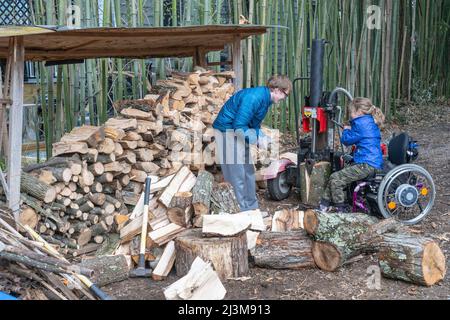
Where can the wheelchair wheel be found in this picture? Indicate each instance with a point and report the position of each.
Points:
(407, 192)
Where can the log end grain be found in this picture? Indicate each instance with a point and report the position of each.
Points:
(433, 264)
(326, 256)
(310, 222)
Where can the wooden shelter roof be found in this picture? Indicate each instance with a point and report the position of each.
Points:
(53, 44)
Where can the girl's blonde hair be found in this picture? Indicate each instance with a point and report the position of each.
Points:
(365, 106)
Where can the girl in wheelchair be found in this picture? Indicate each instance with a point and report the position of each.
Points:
(364, 132)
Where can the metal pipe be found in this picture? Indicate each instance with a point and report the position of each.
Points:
(339, 90)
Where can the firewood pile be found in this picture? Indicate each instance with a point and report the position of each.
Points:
(32, 271)
(94, 181)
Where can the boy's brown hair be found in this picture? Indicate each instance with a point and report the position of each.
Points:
(280, 82)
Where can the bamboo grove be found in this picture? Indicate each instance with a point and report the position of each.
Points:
(387, 50)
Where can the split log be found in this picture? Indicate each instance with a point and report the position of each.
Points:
(128, 156)
(201, 193)
(114, 133)
(83, 236)
(97, 169)
(312, 185)
(106, 158)
(124, 124)
(28, 217)
(60, 148)
(174, 185)
(107, 269)
(36, 188)
(287, 220)
(90, 156)
(165, 263)
(229, 256)
(223, 199)
(98, 199)
(113, 167)
(200, 283)
(283, 250)
(147, 167)
(410, 258)
(92, 135)
(136, 114)
(61, 174)
(180, 211)
(97, 187)
(144, 155)
(225, 225)
(165, 234)
(105, 178)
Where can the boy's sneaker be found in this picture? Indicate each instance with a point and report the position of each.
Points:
(325, 206)
(343, 208)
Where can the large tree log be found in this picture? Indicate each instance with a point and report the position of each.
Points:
(339, 237)
(107, 269)
(410, 258)
(223, 199)
(283, 250)
(201, 193)
(36, 188)
(229, 256)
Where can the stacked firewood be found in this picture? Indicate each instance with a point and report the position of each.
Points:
(95, 179)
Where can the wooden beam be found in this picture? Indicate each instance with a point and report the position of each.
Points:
(15, 123)
(237, 63)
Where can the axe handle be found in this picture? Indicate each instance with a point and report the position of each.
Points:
(148, 181)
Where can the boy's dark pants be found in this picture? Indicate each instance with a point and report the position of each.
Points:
(334, 191)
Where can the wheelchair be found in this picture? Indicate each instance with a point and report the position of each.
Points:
(402, 189)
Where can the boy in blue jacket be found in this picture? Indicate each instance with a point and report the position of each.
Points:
(237, 126)
(364, 132)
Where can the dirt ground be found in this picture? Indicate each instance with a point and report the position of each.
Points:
(431, 128)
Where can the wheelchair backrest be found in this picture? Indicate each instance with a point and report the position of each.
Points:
(401, 149)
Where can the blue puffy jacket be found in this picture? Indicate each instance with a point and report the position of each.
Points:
(366, 135)
(244, 112)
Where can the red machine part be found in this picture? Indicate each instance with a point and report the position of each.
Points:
(314, 113)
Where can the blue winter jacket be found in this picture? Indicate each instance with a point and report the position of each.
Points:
(244, 112)
(366, 135)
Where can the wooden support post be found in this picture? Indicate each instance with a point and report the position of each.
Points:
(237, 63)
(15, 123)
(200, 57)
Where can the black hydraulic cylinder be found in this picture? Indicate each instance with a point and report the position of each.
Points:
(316, 84)
(317, 59)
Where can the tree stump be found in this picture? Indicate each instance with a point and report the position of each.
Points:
(413, 259)
(229, 256)
(313, 185)
(107, 269)
(283, 250)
